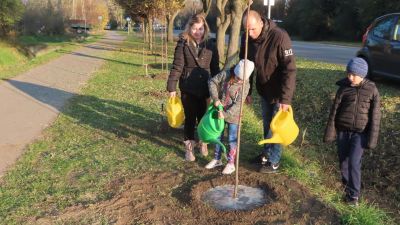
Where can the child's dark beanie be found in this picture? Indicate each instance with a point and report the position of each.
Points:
(357, 66)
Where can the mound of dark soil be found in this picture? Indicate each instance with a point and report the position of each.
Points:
(169, 198)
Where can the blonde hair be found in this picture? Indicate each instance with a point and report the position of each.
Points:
(197, 18)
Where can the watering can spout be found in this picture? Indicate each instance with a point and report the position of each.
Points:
(274, 139)
(220, 144)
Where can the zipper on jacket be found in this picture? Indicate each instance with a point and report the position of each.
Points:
(356, 108)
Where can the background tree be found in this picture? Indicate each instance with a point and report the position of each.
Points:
(237, 8)
(44, 17)
(147, 10)
(223, 22)
(51, 17)
(10, 13)
(332, 19)
(347, 19)
(172, 8)
(116, 14)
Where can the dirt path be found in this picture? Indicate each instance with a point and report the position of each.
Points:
(31, 101)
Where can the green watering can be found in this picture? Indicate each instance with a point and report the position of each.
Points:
(210, 127)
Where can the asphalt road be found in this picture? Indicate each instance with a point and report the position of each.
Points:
(324, 52)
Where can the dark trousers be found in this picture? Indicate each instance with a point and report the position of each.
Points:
(350, 151)
(194, 108)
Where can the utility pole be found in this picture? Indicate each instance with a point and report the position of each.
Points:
(269, 3)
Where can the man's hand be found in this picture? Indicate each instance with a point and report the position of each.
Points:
(172, 94)
(249, 100)
(283, 107)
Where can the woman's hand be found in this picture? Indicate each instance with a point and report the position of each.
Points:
(172, 94)
(284, 107)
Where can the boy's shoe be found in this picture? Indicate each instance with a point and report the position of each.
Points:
(229, 168)
(258, 159)
(351, 201)
(269, 167)
(213, 163)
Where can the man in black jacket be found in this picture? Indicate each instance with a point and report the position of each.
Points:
(354, 121)
(270, 48)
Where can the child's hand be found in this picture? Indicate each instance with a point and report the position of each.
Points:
(217, 103)
(220, 115)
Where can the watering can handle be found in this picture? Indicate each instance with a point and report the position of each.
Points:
(171, 99)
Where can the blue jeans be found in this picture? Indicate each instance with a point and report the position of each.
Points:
(273, 151)
(350, 151)
(232, 140)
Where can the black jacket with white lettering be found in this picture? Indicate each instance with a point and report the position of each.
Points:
(274, 61)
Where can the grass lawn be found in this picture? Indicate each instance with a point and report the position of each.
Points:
(111, 132)
(13, 58)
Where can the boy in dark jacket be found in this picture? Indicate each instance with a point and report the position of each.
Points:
(354, 122)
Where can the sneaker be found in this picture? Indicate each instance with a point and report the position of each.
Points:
(269, 167)
(351, 201)
(229, 168)
(189, 156)
(189, 145)
(213, 163)
(258, 159)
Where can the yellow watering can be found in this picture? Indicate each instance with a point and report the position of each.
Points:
(175, 113)
(284, 128)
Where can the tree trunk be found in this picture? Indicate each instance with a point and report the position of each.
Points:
(170, 22)
(223, 22)
(143, 30)
(150, 30)
(237, 12)
(206, 6)
(146, 31)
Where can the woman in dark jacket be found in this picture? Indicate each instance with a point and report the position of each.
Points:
(195, 61)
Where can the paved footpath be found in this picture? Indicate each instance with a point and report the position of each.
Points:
(31, 101)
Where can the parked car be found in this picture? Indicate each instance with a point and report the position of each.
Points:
(381, 47)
